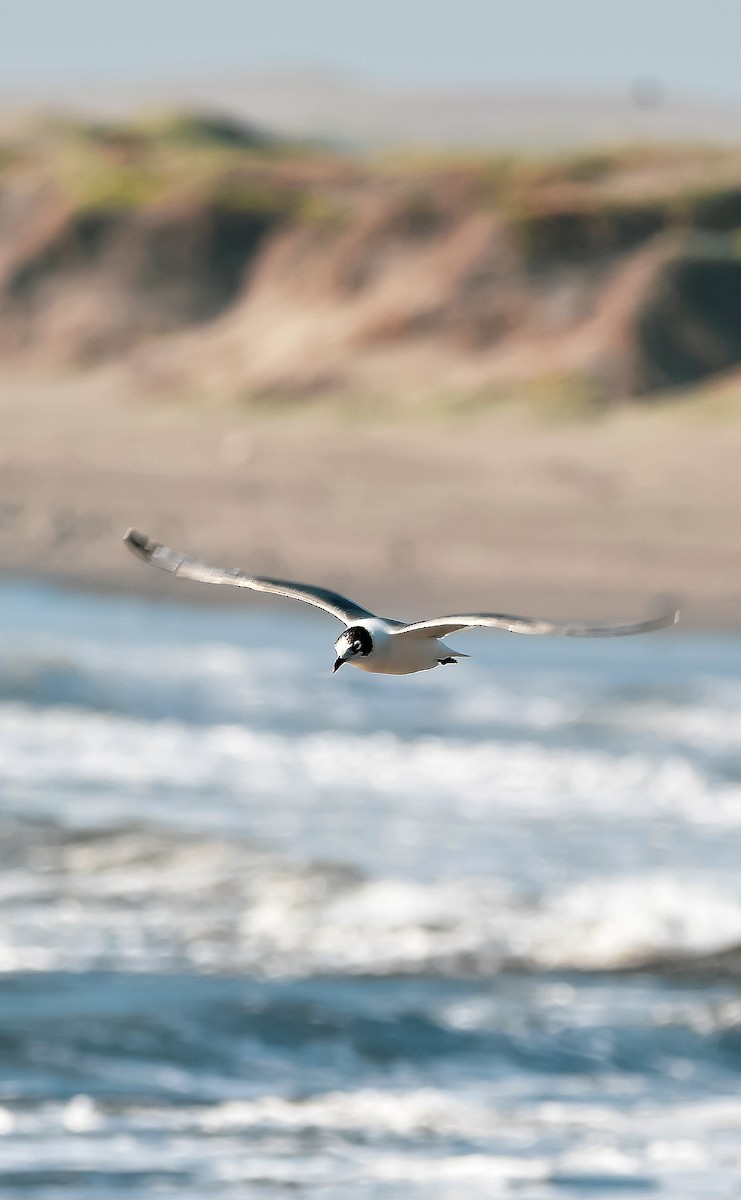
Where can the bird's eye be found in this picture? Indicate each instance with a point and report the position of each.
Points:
(357, 647)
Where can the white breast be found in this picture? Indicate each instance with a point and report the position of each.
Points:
(398, 655)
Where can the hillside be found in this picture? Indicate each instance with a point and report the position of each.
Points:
(206, 257)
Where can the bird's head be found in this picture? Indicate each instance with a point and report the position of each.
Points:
(355, 642)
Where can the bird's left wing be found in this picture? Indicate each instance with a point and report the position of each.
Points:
(339, 606)
(441, 626)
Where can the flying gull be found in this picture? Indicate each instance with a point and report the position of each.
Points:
(380, 644)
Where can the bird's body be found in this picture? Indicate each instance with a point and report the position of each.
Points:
(392, 655)
(379, 644)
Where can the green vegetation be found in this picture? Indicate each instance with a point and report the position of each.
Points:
(568, 203)
(195, 130)
(167, 157)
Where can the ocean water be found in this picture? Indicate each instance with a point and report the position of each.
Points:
(269, 932)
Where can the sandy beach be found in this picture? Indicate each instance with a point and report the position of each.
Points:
(413, 515)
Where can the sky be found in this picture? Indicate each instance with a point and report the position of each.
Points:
(685, 45)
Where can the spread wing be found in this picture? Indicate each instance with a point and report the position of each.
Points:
(169, 560)
(440, 627)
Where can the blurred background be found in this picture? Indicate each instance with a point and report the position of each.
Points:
(439, 305)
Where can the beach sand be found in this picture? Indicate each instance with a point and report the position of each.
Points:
(417, 515)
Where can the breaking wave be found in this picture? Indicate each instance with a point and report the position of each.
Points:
(145, 899)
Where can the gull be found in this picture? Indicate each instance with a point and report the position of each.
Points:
(380, 644)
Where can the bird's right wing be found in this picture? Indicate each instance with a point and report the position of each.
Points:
(345, 610)
(440, 627)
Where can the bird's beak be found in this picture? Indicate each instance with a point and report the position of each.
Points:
(338, 664)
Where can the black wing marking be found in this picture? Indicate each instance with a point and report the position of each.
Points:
(345, 610)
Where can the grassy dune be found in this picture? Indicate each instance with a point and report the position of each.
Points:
(210, 259)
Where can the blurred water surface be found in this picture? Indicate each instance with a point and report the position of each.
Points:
(269, 931)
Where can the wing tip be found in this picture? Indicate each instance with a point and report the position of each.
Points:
(139, 544)
(670, 611)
